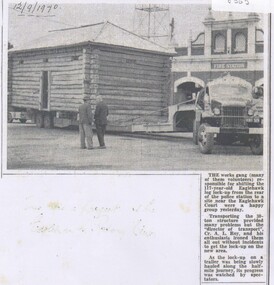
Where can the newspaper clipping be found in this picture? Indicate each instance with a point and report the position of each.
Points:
(135, 143)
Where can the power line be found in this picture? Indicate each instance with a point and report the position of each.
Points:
(77, 27)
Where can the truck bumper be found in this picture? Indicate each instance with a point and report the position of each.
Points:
(250, 131)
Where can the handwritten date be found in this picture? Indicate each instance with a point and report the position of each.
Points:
(34, 8)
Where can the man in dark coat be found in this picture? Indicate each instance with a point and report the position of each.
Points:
(85, 124)
(100, 117)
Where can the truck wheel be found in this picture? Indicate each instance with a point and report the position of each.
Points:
(39, 120)
(10, 119)
(195, 132)
(48, 121)
(22, 121)
(205, 140)
(256, 144)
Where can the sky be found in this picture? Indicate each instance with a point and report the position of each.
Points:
(24, 28)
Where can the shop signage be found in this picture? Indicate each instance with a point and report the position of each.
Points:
(229, 65)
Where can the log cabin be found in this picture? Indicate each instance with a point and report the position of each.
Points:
(49, 76)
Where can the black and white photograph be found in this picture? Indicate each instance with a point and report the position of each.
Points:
(134, 87)
(136, 142)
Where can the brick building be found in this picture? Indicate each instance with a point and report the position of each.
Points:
(229, 45)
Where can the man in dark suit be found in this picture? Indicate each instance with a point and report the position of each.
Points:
(85, 124)
(100, 117)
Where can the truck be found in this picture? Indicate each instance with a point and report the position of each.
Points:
(227, 111)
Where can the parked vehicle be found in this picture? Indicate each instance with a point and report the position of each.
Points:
(226, 112)
(22, 117)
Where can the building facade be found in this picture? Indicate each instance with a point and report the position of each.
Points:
(228, 45)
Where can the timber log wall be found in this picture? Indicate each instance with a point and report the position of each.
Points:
(134, 83)
(65, 77)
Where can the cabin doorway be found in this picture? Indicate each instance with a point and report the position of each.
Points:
(45, 90)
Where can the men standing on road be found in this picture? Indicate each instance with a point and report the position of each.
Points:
(100, 116)
(85, 123)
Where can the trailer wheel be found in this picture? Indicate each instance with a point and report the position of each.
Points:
(256, 144)
(195, 132)
(48, 121)
(22, 121)
(205, 140)
(39, 120)
(10, 119)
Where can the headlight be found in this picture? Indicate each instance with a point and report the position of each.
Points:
(250, 112)
(257, 120)
(216, 111)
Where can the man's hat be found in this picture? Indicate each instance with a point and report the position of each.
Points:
(86, 97)
(99, 98)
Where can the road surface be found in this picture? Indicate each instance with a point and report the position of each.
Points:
(31, 148)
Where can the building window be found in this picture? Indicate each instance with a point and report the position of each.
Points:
(240, 42)
(259, 41)
(259, 35)
(197, 46)
(219, 42)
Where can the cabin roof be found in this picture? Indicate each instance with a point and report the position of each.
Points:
(102, 33)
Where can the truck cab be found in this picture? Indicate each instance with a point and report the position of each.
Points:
(225, 112)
